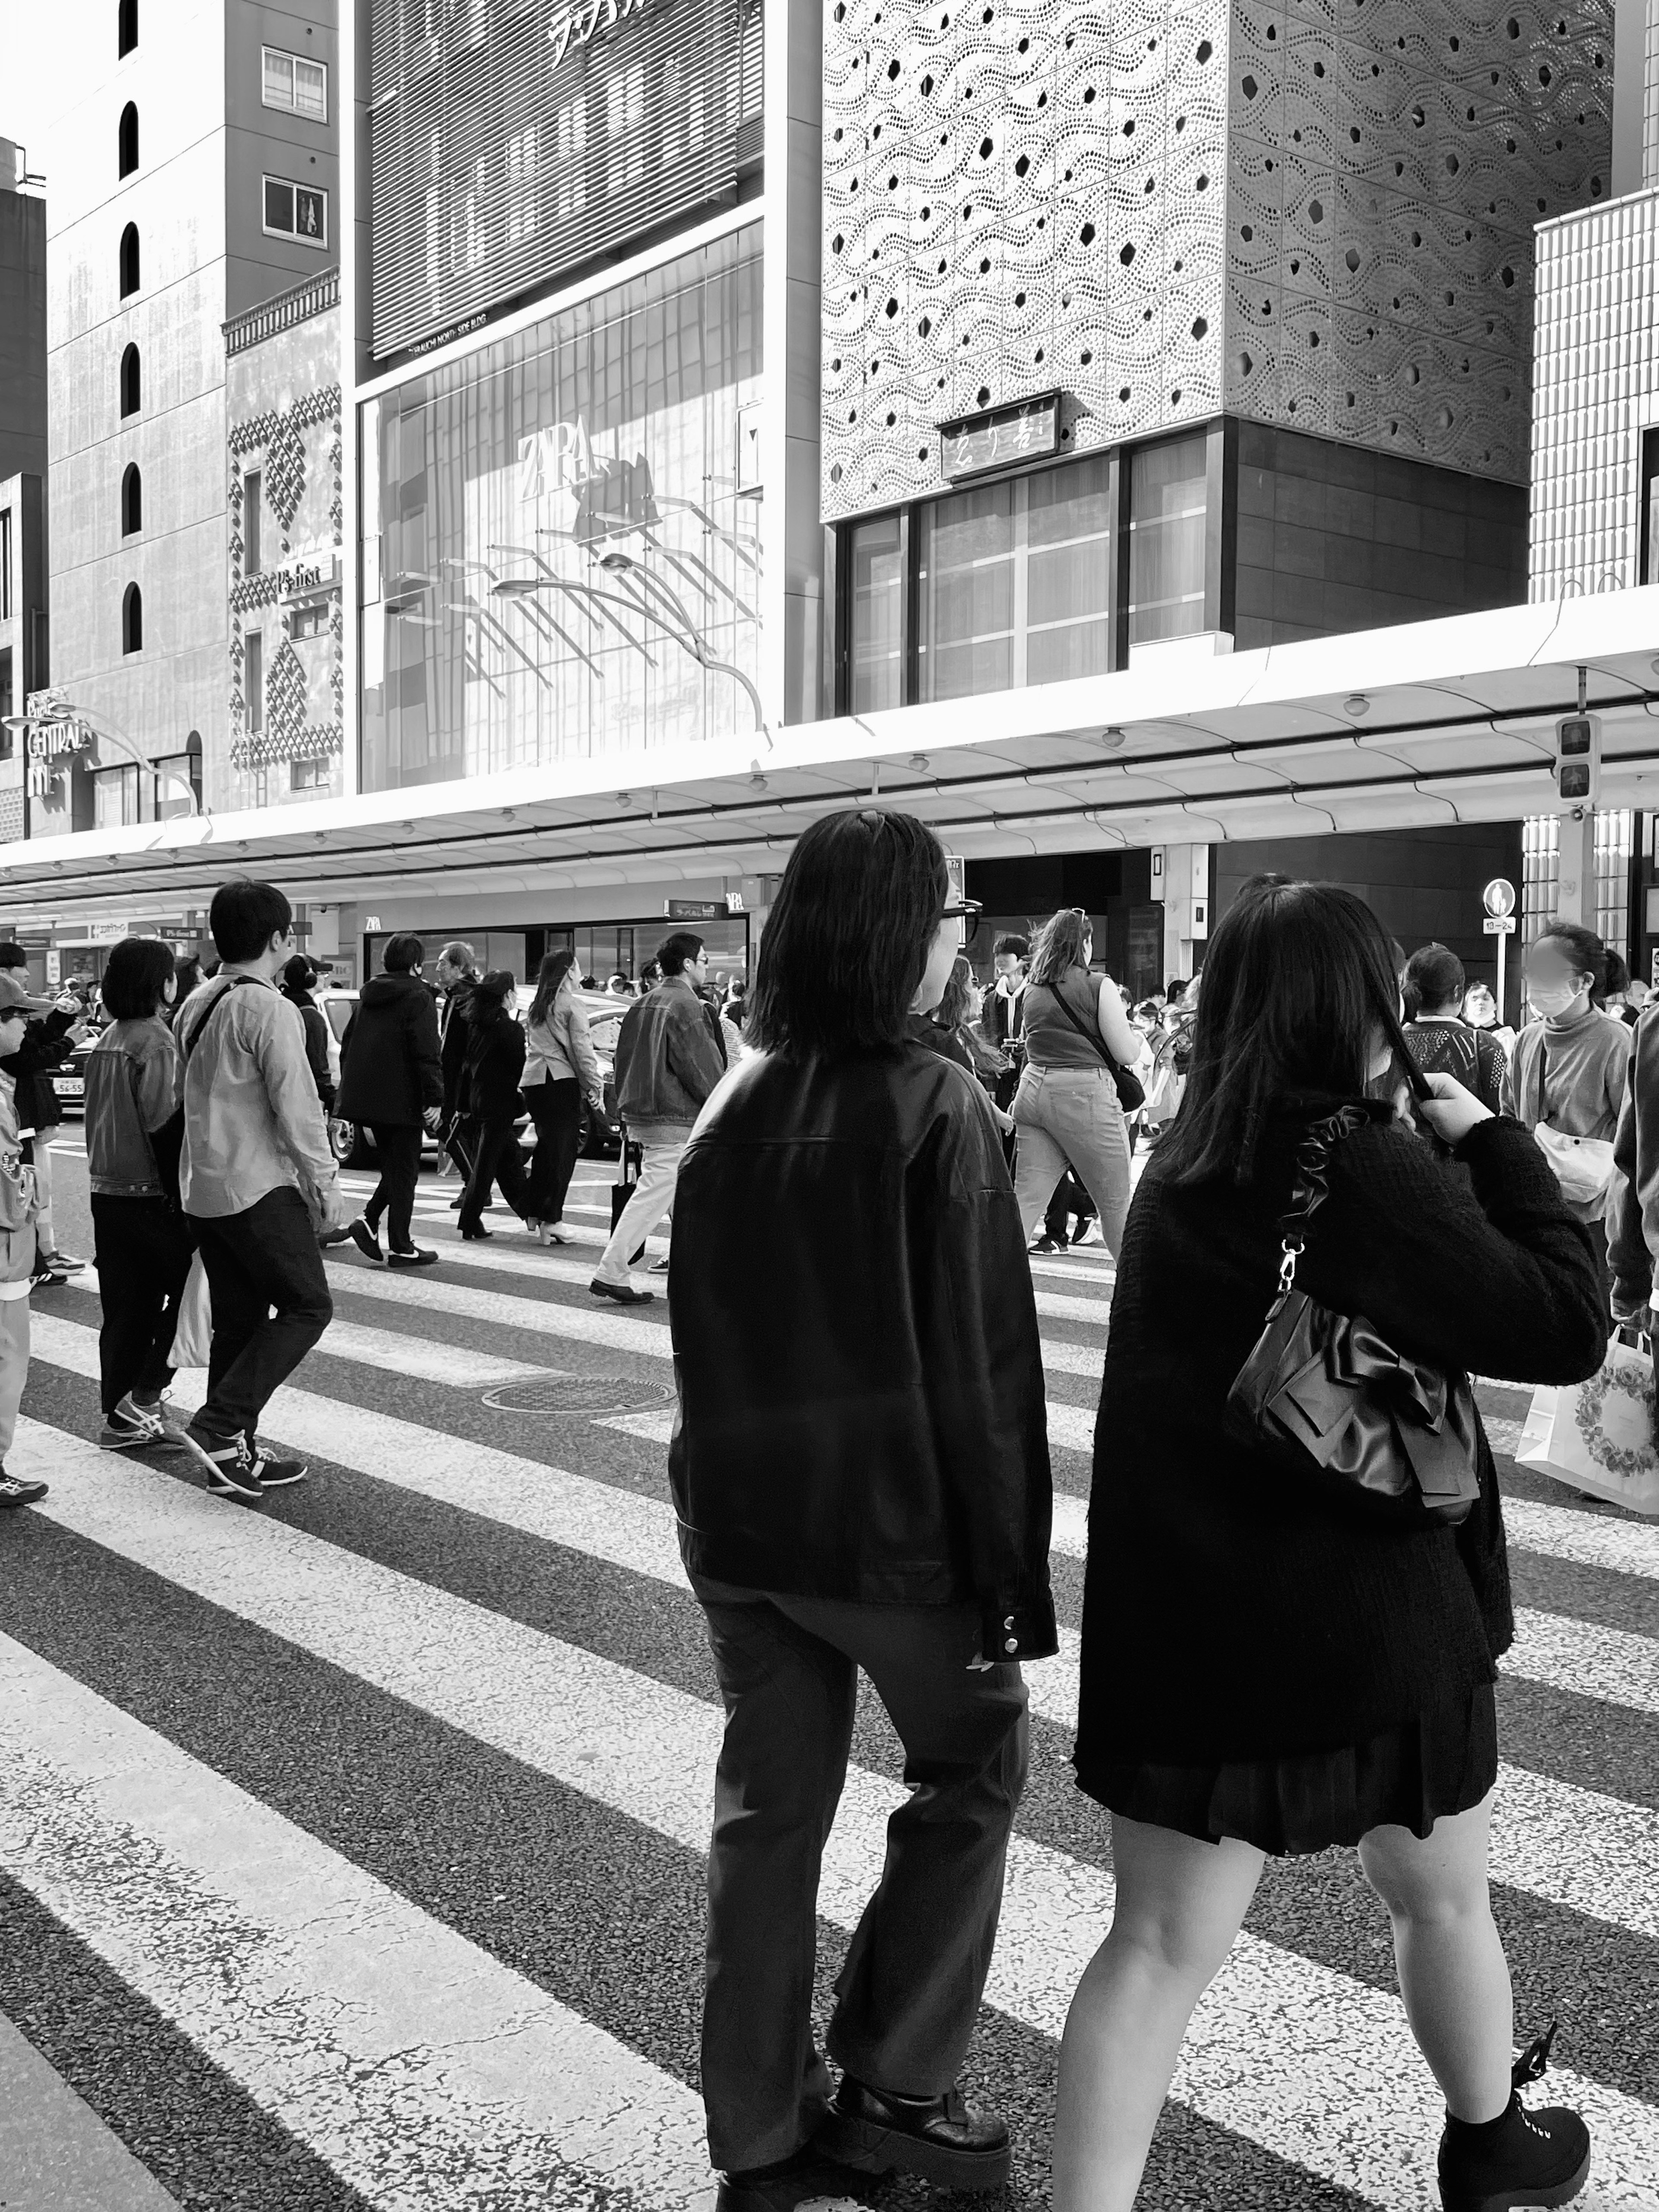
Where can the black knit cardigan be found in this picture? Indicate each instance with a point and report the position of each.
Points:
(1229, 1613)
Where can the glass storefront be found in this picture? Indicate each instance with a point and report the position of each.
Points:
(557, 560)
(1167, 516)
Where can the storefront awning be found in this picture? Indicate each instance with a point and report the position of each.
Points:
(1428, 723)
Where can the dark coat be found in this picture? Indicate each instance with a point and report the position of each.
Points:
(389, 1066)
(454, 1027)
(46, 1044)
(855, 1342)
(494, 1061)
(1232, 1612)
(316, 1029)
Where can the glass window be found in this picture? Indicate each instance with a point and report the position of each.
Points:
(877, 616)
(5, 565)
(290, 81)
(170, 799)
(1648, 572)
(253, 525)
(564, 564)
(309, 622)
(1015, 582)
(6, 694)
(310, 774)
(1167, 504)
(254, 681)
(114, 797)
(295, 211)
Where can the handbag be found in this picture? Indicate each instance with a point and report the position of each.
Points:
(1130, 1095)
(1583, 1165)
(1327, 1397)
(192, 1326)
(623, 1189)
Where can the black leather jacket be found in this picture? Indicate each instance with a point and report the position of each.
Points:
(855, 1343)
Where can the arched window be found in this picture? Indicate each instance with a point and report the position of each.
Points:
(131, 389)
(129, 259)
(133, 500)
(126, 142)
(126, 26)
(132, 620)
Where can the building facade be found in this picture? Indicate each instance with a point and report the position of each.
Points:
(180, 213)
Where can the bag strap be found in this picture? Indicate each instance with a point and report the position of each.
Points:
(1311, 1188)
(195, 1037)
(1098, 1042)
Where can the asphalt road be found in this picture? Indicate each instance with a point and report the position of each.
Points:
(352, 1850)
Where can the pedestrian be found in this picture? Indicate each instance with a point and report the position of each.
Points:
(135, 1126)
(17, 1259)
(1570, 1065)
(561, 1069)
(494, 1068)
(951, 1030)
(1622, 997)
(259, 1182)
(391, 1084)
(186, 975)
(1632, 1214)
(1480, 1013)
(1441, 1041)
(860, 1471)
(1067, 1109)
(619, 987)
(299, 981)
(53, 1029)
(669, 1058)
(458, 974)
(1266, 1670)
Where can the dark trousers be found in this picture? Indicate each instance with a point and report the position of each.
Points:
(556, 1107)
(908, 1995)
(265, 1257)
(142, 1249)
(496, 1159)
(398, 1149)
(1070, 1198)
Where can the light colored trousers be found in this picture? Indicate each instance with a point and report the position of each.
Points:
(13, 1366)
(653, 1194)
(1069, 1117)
(45, 1228)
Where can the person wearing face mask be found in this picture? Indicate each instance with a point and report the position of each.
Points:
(860, 1473)
(1569, 1070)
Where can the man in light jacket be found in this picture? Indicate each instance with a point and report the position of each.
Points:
(669, 1058)
(260, 1183)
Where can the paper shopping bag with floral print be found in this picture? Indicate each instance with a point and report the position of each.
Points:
(1599, 1436)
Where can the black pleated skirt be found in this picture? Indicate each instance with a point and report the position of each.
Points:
(1444, 1761)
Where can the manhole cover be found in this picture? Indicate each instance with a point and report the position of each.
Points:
(579, 1394)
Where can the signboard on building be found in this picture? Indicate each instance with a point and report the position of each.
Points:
(108, 933)
(55, 734)
(694, 910)
(1000, 438)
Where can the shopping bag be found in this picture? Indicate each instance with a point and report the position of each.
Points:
(193, 1332)
(1599, 1436)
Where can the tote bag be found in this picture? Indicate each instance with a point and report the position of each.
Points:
(1599, 1436)
(192, 1334)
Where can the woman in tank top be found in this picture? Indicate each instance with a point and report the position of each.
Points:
(1067, 1109)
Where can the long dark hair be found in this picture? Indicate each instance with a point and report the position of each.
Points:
(555, 966)
(1298, 984)
(849, 936)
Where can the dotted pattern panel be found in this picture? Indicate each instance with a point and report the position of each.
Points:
(1018, 195)
(1597, 390)
(1388, 161)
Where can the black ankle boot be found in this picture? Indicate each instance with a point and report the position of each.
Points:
(1521, 2158)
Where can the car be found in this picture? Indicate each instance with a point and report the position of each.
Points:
(69, 1079)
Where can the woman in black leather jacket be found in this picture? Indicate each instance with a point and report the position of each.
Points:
(495, 1064)
(860, 1470)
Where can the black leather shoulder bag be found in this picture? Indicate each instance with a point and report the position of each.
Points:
(1130, 1095)
(1326, 1396)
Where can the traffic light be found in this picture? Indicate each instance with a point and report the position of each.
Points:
(1578, 760)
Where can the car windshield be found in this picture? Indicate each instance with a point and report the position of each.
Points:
(339, 1012)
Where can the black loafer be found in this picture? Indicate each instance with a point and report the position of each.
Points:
(806, 2179)
(936, 2138)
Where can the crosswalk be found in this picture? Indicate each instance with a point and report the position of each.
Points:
(392, 1797)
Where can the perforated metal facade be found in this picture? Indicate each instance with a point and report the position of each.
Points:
(1318, 213)
(509, 142)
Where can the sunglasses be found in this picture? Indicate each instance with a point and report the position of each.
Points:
(966, 912)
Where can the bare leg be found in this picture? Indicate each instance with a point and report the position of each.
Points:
(1179, 1906)
(1453, 1974)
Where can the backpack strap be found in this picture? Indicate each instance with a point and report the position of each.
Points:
(190, 1044)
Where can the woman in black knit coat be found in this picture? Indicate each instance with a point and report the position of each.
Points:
(1264, 1670)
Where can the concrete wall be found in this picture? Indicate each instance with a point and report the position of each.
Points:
(262, 141)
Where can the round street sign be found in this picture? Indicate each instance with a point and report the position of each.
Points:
(1498, 898)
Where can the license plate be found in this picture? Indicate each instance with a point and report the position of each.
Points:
(69, 1087)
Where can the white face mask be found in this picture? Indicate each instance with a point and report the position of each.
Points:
(1550, 1004)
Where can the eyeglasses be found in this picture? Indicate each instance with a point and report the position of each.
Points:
(967, 912)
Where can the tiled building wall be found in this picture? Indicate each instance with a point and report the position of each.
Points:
(1596, 389)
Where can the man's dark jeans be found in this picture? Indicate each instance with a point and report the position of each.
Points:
(398, 1149)
(265, 1257)
(143, 1250)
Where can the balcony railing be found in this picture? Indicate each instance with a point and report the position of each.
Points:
(314, 297)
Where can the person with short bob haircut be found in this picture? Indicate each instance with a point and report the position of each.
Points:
(860, 1471)
(1266, 1670)
(1441, 1041)
(143, 1249)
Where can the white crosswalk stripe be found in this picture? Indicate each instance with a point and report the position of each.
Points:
(388, 2076)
